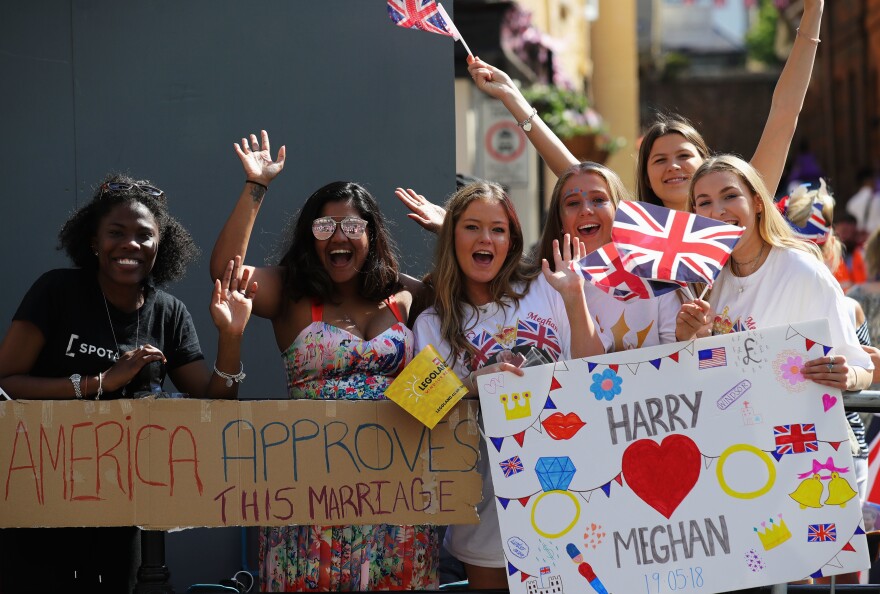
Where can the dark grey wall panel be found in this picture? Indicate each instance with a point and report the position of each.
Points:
(163, 89)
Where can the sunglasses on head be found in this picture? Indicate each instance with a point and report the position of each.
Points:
(325, 227)
(124, 187)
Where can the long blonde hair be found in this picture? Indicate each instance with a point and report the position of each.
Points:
(800, 208)
(772, 226)
(448, 280)
(553, 226)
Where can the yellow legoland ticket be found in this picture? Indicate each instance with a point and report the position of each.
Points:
(426, 388)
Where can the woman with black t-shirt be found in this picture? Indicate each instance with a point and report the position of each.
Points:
(103, 330)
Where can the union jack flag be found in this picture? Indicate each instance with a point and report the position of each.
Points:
(545, 570)
(604, 269)
(486, 346)
(418, 14)
(815, 229)
(529, 333)
(662, 244)
(795, 438)
(511, 466)
(822, 533)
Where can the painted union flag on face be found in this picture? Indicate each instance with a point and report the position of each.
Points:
(418, 14)
(669, 245)
(604, 269)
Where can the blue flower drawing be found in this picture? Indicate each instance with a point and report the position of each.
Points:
(606, 385)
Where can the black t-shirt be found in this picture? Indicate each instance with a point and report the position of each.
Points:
(85, 334)
(69, 309)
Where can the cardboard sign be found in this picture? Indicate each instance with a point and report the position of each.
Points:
(427, 388)
(184, 463)
(691, 467)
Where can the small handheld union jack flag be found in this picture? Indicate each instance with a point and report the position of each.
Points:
(425, 15)
(604, 269)
(668, 245)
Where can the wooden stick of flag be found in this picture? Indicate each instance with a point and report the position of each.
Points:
(456, 35)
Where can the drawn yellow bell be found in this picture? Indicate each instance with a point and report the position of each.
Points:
(809, 492)
(839, 491)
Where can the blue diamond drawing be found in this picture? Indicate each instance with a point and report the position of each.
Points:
(555, 473)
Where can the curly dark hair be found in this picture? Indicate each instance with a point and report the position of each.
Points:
(176, 246)
(304, 275)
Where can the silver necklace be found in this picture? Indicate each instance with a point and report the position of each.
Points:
(137, 334)
(750, 264)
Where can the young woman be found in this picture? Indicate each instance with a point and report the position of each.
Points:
(339, 308)
(672, 149)
(491, 306)
(772, 278)
(105, 330)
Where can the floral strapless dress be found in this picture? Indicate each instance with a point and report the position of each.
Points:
(326, 362)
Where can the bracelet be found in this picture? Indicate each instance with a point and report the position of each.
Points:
(77, 389)
(237, 378)
(100, 386)
(526, 124)
(813, 40)
(256, 183)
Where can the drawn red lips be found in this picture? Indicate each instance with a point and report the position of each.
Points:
(560, 426)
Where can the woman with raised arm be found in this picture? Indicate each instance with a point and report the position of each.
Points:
(491, 310)
(105, 330)
(772, 277)
(672, 149)
(339, 308)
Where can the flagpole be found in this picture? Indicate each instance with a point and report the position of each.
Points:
(456, 34)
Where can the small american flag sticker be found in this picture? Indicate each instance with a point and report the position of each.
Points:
(710, 358)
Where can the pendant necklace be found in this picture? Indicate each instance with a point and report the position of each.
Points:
(113, 332)
(750, 264)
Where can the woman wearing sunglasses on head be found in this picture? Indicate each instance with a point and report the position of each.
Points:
(339, 308)
(104, 330)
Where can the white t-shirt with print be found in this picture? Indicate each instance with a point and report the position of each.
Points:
(538, 321)
(791, 286)
(633, 324)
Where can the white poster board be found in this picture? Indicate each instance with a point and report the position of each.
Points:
(684, 467)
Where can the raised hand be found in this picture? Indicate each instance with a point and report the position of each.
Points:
(492, 81)
(424, 212)
(567, 278)
(232, 300)
(256, 158)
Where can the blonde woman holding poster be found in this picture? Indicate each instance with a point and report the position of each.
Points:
(772, 277)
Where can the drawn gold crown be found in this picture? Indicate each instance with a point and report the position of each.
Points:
(773, 535)
(516, 405)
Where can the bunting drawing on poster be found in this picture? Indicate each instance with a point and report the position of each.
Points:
(681, 467)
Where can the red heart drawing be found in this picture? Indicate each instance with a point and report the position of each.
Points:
(662, 474)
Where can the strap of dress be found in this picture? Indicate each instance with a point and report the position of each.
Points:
(393, 306)
(317, 311)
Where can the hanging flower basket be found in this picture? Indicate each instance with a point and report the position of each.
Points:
(569, 115)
